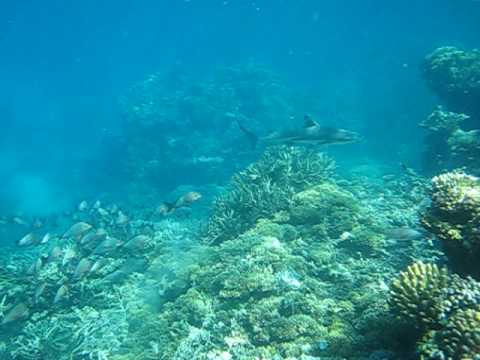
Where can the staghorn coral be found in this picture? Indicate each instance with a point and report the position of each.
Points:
(264, 189)
(454, 216)
(414, 294)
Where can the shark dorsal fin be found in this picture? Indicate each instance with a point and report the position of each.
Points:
(309, 122)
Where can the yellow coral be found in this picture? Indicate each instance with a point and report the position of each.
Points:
(414, 292)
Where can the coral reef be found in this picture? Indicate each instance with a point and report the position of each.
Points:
(416, 291)
(459, 339)
(175, 125)
(448, 145)
(454, 217)
(443, 306)
(264, 189)
(453, 140)
(454, 75)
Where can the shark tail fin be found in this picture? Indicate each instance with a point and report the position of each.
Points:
(251, 136)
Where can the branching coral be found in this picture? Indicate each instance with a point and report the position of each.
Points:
(265, 188)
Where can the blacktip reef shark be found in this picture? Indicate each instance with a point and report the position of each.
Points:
(312, 133)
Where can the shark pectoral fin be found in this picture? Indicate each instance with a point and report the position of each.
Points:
(309, 122)
(251, 136)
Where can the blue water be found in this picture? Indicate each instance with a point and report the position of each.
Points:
(74, 76)
(63, 67)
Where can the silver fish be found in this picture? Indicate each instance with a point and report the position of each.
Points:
(39, 292)
(77, 230)
(55, 254)
(83, 206)
(61, 294)
(97, 265)
(27, 240)
(404, 233)
(103, 212)
(18, 312)
(35, 267)
(68, 255)
(46, 238)
(83, 267)
(121, 219)
(138, 242)
(19, 221)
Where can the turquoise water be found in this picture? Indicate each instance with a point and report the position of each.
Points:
(234, 179)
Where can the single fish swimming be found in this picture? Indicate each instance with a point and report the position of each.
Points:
(183, 201)
(311, 133)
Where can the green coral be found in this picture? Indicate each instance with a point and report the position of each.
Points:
(264, 189)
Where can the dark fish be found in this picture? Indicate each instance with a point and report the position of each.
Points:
(128, 268)
(18, 312)
(137, 243)
(82, 269)
(93, 237)
(184, 200)
(310, 134)
(107, 246)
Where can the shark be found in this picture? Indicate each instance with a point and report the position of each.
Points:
(311, 133)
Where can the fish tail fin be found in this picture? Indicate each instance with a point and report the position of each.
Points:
(251, 136)
(169, 207)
